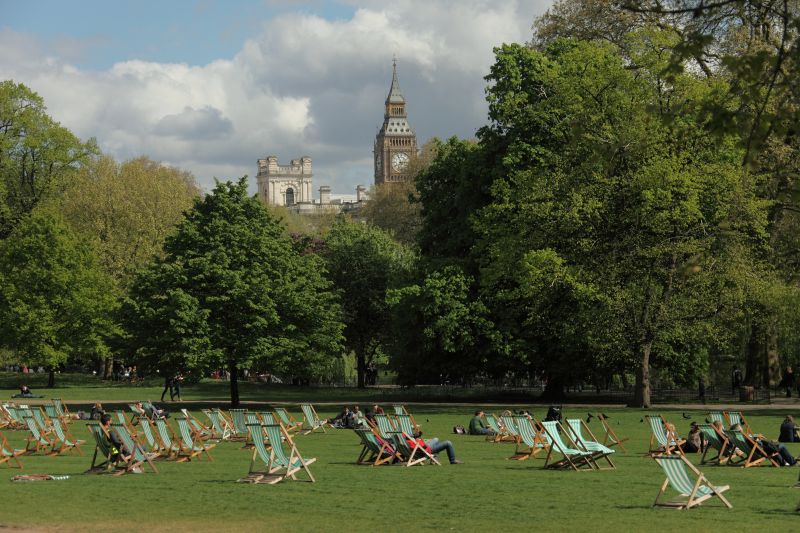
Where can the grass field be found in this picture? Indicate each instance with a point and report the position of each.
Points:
(487, 493)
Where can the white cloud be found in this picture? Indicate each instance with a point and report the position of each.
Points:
(304, 85)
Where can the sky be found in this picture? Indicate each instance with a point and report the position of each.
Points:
(212, 86)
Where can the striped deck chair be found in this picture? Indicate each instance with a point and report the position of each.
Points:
(287, 420)
(585, 439)
(60, 407)
(200, 430)
(103, 459)
(150, 409)
(312, 419)
(151, 443)
(737, 418)
(43, 421)
(718, 416)
(610, 437)
(753, 453)
(16, 416)
(51, 411)
(191, 445)
(570, 456)
(169, 446)
(267, 418)
(662, 440)
(714, 441)
(259, 470)
(406, 424)
(400, 411)
(36, 439)
(530, 441)
(281, 462)
(63, 439)
(693, 491)
(510, 426)
(412, 451)
(375, 451)
(133, 456)
(500, 433)
(8, 454)
(385, 426)
(220, 426)
(239, 420)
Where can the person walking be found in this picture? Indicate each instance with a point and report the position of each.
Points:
(176, 384)
(168, 386)
(788, 381)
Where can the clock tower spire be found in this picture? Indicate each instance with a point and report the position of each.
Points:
(396, 142)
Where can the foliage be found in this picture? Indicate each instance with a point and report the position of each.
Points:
(232, 291)
(37, 155)
(391, 207)
(55, 300)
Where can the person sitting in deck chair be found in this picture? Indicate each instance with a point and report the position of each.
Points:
(345, 419)
(477, 427)
(694, 440)
(117, 448)
(434, 446)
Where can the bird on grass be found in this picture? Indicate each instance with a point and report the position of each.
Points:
(687, 417)
(641, 420)
(589, 417)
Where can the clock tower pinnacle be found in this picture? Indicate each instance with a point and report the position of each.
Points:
(396, 142)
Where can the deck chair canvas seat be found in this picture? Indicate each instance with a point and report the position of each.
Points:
(312, 419)
(239, 419)
(104, 459)
(375, 451)
(753, 454)
(385, 426)
(693, 492)
(407, 425)
(737, 418)
(412, 454)
(571, 457)
(151, 443)
(36, 440)
(275, 459)
(500, 433)
(220, 427)
(510, 426)
(530, 442)
(133, 456)
(170, 448)
(718, 416)
(287, 420)
(583, 436)
(662, 440)
(63, 439)
(190, 443)
(715, 441)
(8, 454)
(200, 430)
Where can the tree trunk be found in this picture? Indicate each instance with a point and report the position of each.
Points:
(755, 349)
(772, 357)
(51, 378)
(361, 368)
(641, 391)
(108, 367)
(234, 384)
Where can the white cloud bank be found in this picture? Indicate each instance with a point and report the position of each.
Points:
(303, 86)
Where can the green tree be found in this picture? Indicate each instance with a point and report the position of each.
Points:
(231, 290)
(364, 262)
(55, 300)
(37, 155)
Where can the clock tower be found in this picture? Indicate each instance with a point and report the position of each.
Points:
(396, 142)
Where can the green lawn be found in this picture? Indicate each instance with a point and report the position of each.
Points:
(486, 493)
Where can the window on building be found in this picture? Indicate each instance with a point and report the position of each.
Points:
(289, 196)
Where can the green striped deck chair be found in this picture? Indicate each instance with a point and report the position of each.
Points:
(693, 492)
(312, 419)
(149, 409)
(570, 456)
(221, 428)
(406, 424)
(36, 439)
(287, 420)
(63, 439)
(585, 439)
(375, 451)
(282, 463)
(610, 437)
(714, 441)
(200, 430)
(133, 456)
(239, 424)
(191, 445)
(662, 440)
(385, 426)
(718, 416)
(43, 422)
(50, 411)
(169, 446)
(399, 409)
(500, 433)
(267, 418)
(753, 453)
(530, 441)
(103, 459)
(411, 454)
(151, 442)
(510, 426)
(259, 470)
(61, 407)
(737, 418)
(8, 454)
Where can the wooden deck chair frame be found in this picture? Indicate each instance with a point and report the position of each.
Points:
(529, 439)
(510, 425)
(384, 426)
(582, 435)
(720, 444)
(312, 419)
(151, 438)
(102, 450)
(260, 451)
(610, 437)
(287, 420)
(64, 441)
(8, 454)
(37, 440)
(401, 410)
(61, 407)
(200, 430)
(170, 447)
(375, 451)
(220, 427)
(411, 455)
(676, 465)
(501, 435)
(290, 464)
(571, 456)
(190, 443)
(754, 455)
(671, 442)
(737, 417)
(136, 456)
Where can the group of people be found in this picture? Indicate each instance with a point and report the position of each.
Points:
(172, 384)
(695, 443)
(25, 392)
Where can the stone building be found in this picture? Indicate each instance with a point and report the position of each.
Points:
(284, 185)
(396, 141)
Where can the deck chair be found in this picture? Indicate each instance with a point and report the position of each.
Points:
(44, 423)
(510, 426)
(411, 454)
(169, 446)
(385, 426)
(375, 451)
(312, 419)
(401, 411)
(714, 441)
(585, 439)
(662, 440)
(151, 442)
(753, 453)
(135, 457)
(736, 417)
(191, 445)
(51, 411)
(405, 423)
(610, 437)
(239, 419)
(202, 431)
(530, 441)
(104, 459)
(693, 491)
(220, 427)
(718, 416)
(287, 420)
(500, 433)
(259, 470)
(8, 454)
(63, 440)
(61, 408)
(571, 456)
(279, 461)
(36, 440)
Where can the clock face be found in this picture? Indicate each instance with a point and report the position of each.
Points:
(399, 161)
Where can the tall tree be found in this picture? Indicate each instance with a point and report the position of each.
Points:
(55, 300)
(36, 154)
(232, 290)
